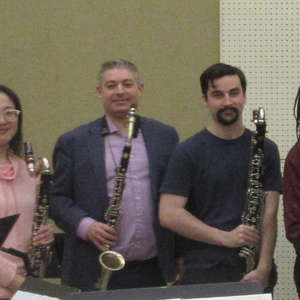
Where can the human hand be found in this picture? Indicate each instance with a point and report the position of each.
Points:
(179, 270)
(241, 236)
(16, 283)
(259, 276)
(101, 235)
(44, 236)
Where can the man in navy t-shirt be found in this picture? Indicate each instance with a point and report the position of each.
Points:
(205, 190)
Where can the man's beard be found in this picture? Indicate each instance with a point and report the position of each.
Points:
(226, 121)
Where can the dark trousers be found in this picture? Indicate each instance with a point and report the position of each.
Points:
(297, 273)
(224, 273)
(137, 274)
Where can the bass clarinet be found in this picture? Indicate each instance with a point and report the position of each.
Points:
(111, 260)
(255, 194)
(39, 256)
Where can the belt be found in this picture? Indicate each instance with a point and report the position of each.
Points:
(135, 263)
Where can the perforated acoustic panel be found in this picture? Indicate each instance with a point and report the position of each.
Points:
(262, 37)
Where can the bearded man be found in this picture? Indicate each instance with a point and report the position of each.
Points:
(205, 190)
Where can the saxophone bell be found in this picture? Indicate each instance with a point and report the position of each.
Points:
(112, 260)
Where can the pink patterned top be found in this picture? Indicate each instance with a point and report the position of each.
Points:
(17, 195)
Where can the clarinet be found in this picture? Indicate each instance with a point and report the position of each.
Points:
(39, 256)
(110, 260)
(255, 194)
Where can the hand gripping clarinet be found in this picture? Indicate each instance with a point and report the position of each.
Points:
(255, 194)
(39, 256)
(111, 260)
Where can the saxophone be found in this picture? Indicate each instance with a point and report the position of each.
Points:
(39, 256)
(112, 260)
(255, 194)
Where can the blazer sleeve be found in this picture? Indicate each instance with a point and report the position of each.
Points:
(63, 209)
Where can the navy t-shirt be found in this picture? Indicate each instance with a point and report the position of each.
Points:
(213, 174)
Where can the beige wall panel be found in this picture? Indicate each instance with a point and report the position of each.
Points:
(51, 52)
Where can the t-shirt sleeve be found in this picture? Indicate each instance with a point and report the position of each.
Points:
(272, 178)
(179, 175)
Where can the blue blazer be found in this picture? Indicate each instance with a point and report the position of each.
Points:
(79, 190)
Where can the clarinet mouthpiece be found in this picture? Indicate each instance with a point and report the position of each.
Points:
(29, 157)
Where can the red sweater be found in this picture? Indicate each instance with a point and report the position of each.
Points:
(291, 196)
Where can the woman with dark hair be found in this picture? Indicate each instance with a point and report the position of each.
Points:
(17, 195)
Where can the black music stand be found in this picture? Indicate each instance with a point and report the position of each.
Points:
(179, 291)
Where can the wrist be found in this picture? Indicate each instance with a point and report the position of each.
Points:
(222, 238)
(83, 227)
(264, 268)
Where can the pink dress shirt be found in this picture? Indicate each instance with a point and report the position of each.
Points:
(17, 196)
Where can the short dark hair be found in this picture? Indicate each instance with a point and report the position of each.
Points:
(17, 141)
(217, 71)
(121, 64)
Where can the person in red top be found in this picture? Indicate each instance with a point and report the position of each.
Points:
(291, 195)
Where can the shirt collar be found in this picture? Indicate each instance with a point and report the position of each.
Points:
(112, 128)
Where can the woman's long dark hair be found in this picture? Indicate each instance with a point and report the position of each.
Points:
(17, 141)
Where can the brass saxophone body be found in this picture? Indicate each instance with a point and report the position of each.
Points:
(39, 256)
(255, 194)
(112, 260)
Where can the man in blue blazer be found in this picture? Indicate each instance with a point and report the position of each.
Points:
(85, 163)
